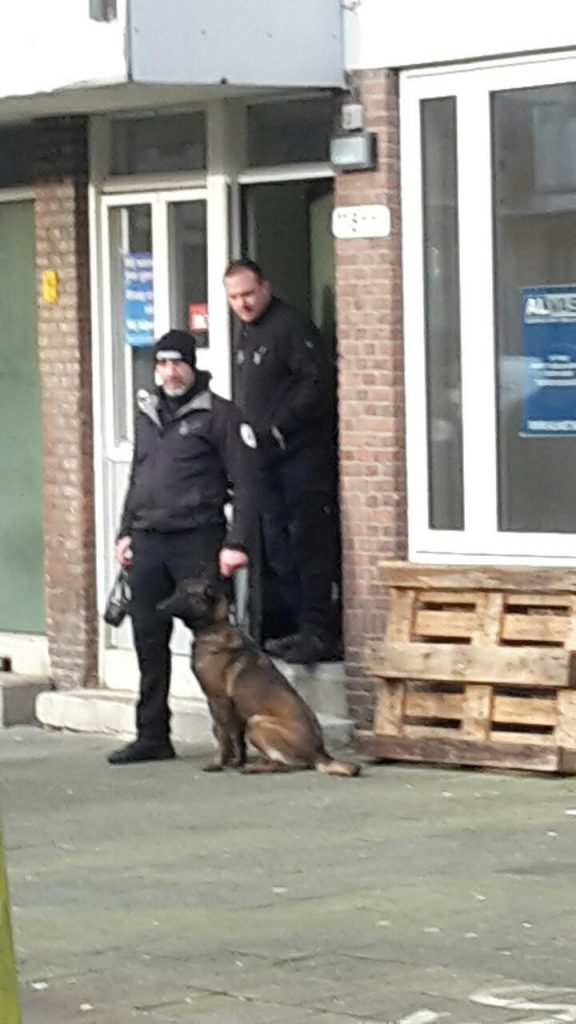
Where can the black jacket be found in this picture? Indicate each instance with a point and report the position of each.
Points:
(284, 378)
(185, 465)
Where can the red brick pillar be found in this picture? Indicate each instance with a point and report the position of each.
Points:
(62, 245)
(372, 446)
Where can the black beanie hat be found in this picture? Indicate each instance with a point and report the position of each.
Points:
(176, 345)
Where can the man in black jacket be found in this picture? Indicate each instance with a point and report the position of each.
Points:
(191, 446)
(285, 386)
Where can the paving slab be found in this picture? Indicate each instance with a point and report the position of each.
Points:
(156, 893)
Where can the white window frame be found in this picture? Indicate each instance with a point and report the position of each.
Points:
(480, 541)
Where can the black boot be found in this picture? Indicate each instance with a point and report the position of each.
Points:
(142, 750)
(278, 645)
(308, 648)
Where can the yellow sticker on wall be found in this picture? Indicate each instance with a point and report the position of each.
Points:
(50, 286)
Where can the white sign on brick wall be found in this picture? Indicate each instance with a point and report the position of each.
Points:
(370, 221)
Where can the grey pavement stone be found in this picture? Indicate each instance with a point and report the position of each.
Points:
(156, 893)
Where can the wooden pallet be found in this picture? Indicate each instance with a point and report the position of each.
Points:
(477, 667)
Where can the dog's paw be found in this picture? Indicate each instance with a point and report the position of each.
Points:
(258, 767)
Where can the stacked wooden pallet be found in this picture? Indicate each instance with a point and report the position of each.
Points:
(477, 667)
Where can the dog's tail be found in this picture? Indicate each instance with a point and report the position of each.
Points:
(328, 766)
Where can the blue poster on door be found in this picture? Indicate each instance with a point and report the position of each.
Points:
(138, 299)
(549, 335)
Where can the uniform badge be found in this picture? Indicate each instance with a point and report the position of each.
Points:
(184, 429)
(259, 354)
(248, 436)
(240, 356)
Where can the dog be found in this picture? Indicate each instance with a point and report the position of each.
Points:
(249, 699)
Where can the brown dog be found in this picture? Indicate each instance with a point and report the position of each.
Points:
(249, 699)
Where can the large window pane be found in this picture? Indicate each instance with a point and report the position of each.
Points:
(291, 132)
(534, 167)
(130, 233)
(442, 297)
(188, 271)
(17, 156)
(151, 145)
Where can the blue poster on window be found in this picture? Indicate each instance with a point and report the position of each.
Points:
(138, 299)
(549, 334)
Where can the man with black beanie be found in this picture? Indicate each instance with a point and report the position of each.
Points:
(191, 447)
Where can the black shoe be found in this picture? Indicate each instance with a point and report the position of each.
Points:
(279, 644)
(308, 649)
(140, 750)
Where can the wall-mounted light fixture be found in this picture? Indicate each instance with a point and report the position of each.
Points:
(355, 152)
(353, 149)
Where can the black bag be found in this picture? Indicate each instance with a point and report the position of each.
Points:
(118, 603)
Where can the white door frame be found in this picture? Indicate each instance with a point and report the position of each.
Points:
(118, 663)
(220, 186)
(480, 541)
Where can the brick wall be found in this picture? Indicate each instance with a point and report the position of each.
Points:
(65, 371)
(372, 446)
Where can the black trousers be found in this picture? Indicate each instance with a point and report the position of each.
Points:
(160, 562)
(300, 545)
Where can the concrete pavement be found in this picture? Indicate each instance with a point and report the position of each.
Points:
(158, 894)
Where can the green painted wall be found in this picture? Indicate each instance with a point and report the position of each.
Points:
(21, 544)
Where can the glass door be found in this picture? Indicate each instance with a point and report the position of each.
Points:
(155, 278)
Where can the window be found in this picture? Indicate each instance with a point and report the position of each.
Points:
(17, 156)
(290, 132)
(534, 144)
(152, 145)
(157, 280)
(442, 302)
(489, 265)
